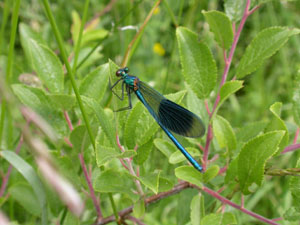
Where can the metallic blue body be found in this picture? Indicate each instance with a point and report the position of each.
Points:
(170, 135)
(169, 115)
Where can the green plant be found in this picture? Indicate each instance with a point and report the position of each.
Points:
(78, 162)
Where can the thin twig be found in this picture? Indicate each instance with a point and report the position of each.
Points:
(89, 182)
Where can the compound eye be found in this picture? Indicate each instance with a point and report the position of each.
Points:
(118, 73)
(126, 69)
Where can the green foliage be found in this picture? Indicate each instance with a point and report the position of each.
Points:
(263, 46)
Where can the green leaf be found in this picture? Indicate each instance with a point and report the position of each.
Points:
(199, 67)
(24, 195)
(221, 26)
(151, 181)
(139, 208)
(196, 209)
(278, 124)
(250, 130)
(253, 157)
(294, 186)
(264, 45)
(143, 153)
(219, 218)
(44, 62)
(140, 125)
(189, 174)
(235, 9)
(63, 101)
(165, 147)
(37, 100)
(224, 133)
(95, 83)
(111, 181)
(178, 157)
(210, 173)
(32, 178)
(228, 89)
(165, 184)
(79, 138)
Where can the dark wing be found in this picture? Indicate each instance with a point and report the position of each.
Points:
(171, 115)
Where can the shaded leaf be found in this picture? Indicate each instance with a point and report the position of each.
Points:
(165, 147)
(224, 133)
(278, 124)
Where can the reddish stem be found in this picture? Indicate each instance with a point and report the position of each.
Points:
(68, 120)
(89, 182)
(224, 76)
(291, 148)
(228, 202)
(296, 135)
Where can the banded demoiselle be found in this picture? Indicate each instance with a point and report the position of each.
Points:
(169, 115)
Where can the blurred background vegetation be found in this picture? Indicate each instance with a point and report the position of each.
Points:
(155, 59)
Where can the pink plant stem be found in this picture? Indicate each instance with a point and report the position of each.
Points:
(296, 135)
(135, 220)
(130, 168)
(291, 148)
(228, 202)
(92, 192)
(6, 178)
(224, 77)
(68, 120)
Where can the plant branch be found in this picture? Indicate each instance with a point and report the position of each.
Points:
(291, 148)
(224, 77)
(228, 202)
(123, 213)
(89, 183)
